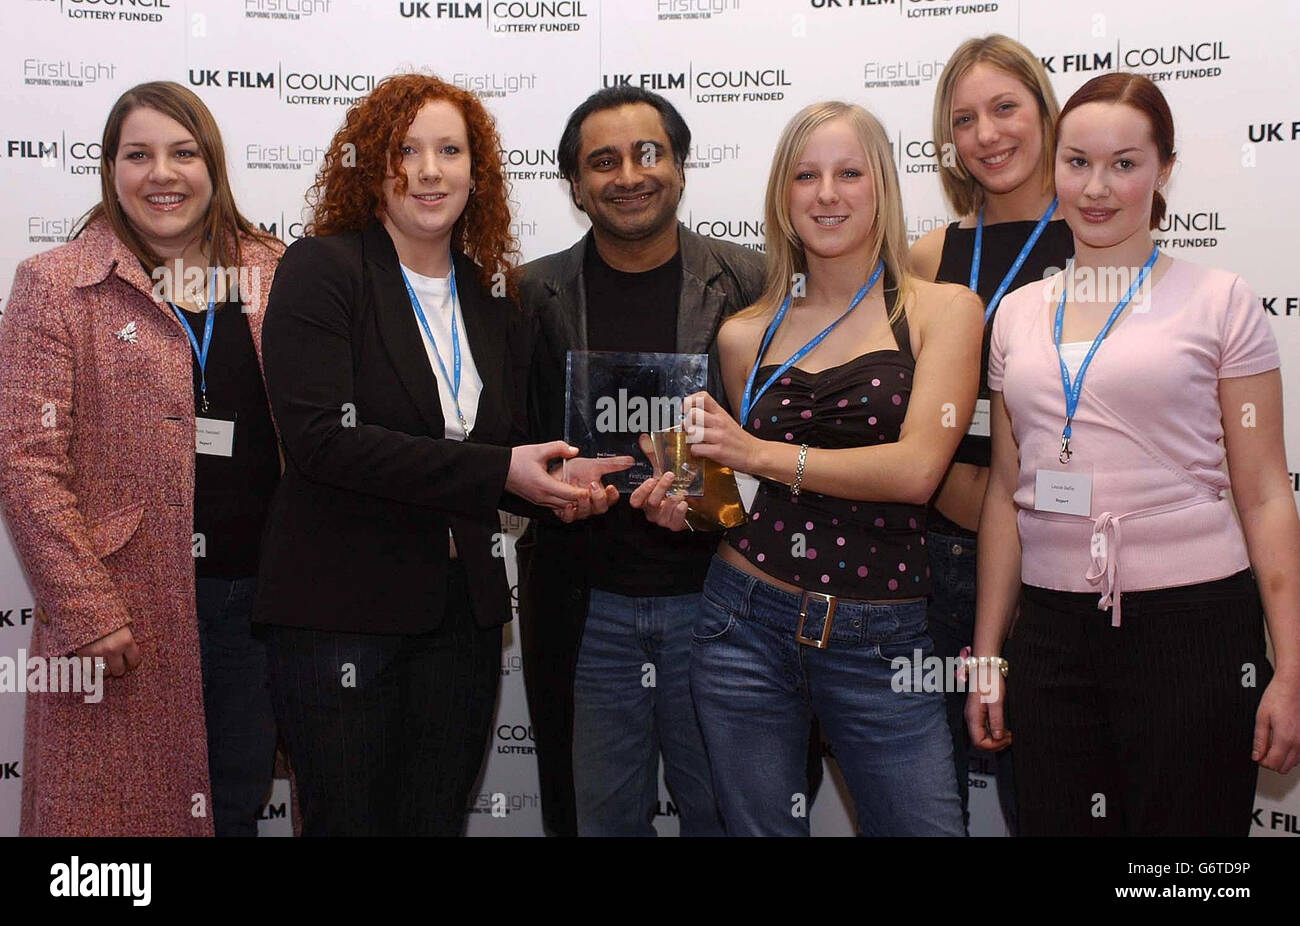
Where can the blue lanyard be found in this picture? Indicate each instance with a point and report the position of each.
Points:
(1072, 390)
(454, 379)
(746, 401)
(1015, 267)
(201, 353)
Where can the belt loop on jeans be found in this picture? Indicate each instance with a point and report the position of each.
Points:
(826, 625)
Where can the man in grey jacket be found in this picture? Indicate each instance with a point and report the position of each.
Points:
(607, 605)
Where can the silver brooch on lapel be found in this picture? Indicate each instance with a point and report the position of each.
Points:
(127, 333)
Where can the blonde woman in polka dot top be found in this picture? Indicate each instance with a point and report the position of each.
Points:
(853, 383)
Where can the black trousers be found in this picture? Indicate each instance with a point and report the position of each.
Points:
(236, 704)
(387, 733)
(1143, 729)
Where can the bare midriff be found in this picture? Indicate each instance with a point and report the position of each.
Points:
(733, 557)
(961, 494)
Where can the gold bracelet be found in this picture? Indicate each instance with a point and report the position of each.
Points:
(798, 471)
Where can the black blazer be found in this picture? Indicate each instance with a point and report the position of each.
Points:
(356, 539)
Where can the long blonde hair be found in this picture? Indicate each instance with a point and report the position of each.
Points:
(785, 253)
(961, 189)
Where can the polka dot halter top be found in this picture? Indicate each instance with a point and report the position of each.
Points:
(850, 549)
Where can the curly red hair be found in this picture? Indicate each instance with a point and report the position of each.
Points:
(348, 191)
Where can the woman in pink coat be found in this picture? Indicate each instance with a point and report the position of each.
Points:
(114, 349)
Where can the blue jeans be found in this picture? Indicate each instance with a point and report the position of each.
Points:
(756, 690)
(236, 704)
(632, 700)
(952, 626)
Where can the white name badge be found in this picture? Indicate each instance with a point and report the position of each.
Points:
(1063, 492)
(214, 437)
(748, 486)
(979, 423)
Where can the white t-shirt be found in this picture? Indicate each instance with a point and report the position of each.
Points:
(434, 294)
(1073, 352)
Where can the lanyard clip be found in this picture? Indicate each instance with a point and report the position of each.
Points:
(1066, 453)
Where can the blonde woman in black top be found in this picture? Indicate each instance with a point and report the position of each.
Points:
(853, 381)
(994, 129)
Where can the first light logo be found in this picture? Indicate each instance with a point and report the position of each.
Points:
(66, 72)
(45, 229)
(900, 72)
(285, 9)
(495, 84)
(694, 9)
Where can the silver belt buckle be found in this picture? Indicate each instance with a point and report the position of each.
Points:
(824, 640)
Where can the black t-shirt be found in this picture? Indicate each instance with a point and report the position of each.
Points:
(232, 494)
(631, 311)
(998, 249)
(638, 312)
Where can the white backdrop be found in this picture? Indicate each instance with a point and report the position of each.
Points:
(278, 74)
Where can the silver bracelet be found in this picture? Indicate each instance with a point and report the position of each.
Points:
(798, 471)
(1001, 664)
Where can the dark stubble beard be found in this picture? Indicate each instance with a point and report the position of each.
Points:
(662, 220)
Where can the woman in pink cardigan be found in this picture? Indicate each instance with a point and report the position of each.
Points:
(119, 509)
(1137, 681)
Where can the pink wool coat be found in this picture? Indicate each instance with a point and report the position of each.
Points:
(97, 486)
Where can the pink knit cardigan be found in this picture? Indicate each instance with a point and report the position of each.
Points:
(97, 486)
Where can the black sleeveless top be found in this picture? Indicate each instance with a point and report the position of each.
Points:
(851, 549)
(1002, 242)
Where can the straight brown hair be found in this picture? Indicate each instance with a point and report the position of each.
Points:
(223, 224)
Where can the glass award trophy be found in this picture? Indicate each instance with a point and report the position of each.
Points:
(630, 404)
